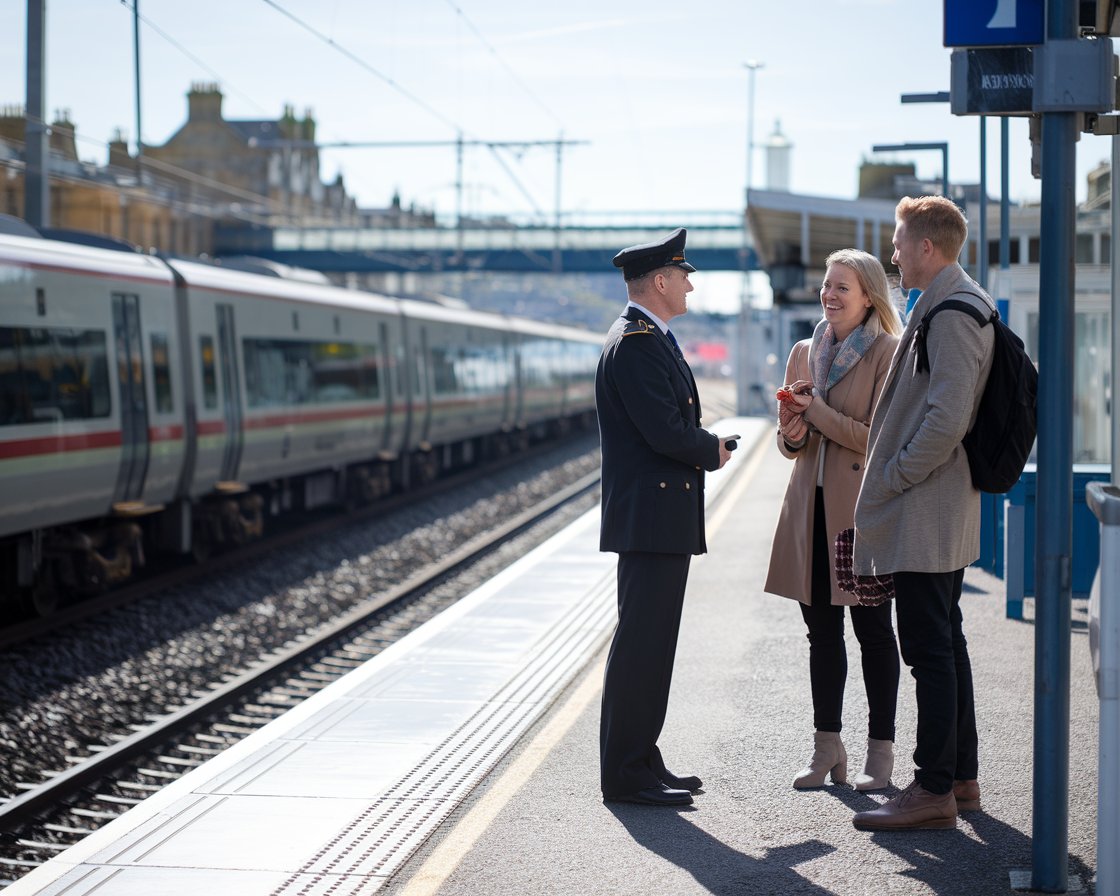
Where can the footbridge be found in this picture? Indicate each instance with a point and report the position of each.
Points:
(585, 245)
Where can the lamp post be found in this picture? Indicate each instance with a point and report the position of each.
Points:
(943, 148)
(742, 388)
(752, 66)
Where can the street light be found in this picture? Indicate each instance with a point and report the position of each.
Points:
(742, 391)
(752, 66)
(943, 148)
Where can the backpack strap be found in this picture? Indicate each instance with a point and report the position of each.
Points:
(921, 361)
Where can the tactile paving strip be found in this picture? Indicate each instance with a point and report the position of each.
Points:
(379, 840)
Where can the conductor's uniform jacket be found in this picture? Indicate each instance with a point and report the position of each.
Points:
(654, 452)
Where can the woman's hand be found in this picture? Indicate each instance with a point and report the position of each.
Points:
(792, 424)
(800, 395)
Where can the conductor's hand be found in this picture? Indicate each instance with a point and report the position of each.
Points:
(724, 454)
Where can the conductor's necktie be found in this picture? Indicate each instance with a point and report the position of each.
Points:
(676, 345)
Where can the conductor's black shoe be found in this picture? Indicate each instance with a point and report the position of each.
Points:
(690, 783)
(654, 796)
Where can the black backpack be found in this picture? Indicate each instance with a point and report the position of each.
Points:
(1000, 441)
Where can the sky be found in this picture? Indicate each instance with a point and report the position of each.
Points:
(654, 95)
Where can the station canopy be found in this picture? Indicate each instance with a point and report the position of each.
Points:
(791, 230)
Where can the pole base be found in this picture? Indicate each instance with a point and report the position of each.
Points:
(1021, 883)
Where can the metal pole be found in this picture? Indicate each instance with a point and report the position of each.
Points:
(945, 170)
(742, 392)
(1114, 251)
(1050, 844)
(136, 77)
(982, 250)
(36, 178)
(751, 67)
(1005, 202)
(557, 263)
(459, 200)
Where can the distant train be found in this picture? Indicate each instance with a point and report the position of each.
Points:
(152, 403)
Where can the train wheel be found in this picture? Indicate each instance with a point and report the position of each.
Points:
(202, 545)
(42, 599)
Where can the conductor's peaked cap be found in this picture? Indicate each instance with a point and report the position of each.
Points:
(639, 260)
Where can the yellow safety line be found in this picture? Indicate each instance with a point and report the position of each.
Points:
(446, 857)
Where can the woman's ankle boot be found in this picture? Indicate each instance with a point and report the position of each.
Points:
(878, 767)
(828, 756)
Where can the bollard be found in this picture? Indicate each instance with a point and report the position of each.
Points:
(1104, 501)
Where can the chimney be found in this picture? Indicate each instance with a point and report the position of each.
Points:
(118, 151)
(204, 102)
(62, 135)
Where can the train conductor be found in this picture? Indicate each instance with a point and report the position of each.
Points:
(654, 455)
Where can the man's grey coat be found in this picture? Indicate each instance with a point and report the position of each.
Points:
(917, 510)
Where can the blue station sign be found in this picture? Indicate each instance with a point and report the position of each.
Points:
(994, 23)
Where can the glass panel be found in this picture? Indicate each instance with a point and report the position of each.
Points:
(161, 374)
(52, 374)
(209, 372)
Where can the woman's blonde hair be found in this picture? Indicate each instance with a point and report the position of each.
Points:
(873, 281)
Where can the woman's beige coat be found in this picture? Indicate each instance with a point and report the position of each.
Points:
(840, 430)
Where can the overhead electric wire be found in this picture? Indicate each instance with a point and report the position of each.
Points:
(330, 41)
(178, 46)
(494, 148)
(517, 80)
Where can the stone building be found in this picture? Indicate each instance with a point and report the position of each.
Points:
(212, 170)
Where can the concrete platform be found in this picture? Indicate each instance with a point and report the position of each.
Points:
(464, 759)
(740, 717)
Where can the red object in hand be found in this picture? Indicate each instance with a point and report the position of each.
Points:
(786, 393)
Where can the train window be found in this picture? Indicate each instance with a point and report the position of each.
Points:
(287, 372)
(161, 374)
(209, 372)
(52, 374)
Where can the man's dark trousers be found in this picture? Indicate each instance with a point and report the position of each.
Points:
(640, 669)
(931, 639)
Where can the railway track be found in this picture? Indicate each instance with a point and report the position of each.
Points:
(285, 534)
(48, 817)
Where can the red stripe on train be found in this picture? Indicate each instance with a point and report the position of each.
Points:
(90, 441)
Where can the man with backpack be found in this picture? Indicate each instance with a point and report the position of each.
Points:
(918, 512)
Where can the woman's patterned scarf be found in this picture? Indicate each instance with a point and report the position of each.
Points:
(829, 361)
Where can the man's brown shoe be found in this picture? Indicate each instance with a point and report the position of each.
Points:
(967, 794)
(913, 809)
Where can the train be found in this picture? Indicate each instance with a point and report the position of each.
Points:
(159, 404)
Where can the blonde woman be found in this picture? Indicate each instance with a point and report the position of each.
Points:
(833, 381)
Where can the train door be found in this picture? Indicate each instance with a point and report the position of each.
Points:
(387, 368)
(422, 394)
(505, 354)
(231, 393)
(518, 382)
(134, 399)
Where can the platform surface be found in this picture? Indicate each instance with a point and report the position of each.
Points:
(463, 761)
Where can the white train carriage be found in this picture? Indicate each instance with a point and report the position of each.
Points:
(91, 413)
(176, 403)
(555, 373)
(293, 390)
